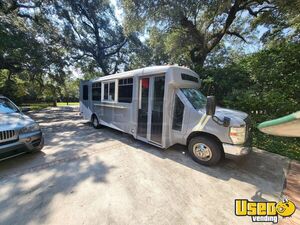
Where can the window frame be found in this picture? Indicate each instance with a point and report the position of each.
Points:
(188, 77)
(124, 85)
(173, 113)
(85, 92)
(189, 100)
(108, 91)
(97, 87)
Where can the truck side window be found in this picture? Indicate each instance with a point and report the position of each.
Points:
(109, 91)
(85, 94)
(106, 91)
(111, 96)
(178, 114)
(125, 90)
(96, 92)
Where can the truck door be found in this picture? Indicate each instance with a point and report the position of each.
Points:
(150, 109)
(85, 100)
(157, 109)
(144, 84)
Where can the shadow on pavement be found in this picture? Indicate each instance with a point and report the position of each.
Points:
(68, 143)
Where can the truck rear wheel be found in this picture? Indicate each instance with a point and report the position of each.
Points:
(205, 151)
(95, 122)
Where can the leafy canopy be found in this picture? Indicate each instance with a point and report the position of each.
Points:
(193, 28)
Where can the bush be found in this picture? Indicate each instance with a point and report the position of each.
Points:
(266, 85)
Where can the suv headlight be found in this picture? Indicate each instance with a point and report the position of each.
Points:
(237, 135)
(30, 128)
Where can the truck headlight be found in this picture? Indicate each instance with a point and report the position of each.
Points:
(30, 128)
(237, 135)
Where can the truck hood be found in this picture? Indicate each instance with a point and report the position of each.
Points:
(14, 121)
(237, 118)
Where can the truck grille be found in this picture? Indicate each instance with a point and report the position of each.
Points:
(7, 135)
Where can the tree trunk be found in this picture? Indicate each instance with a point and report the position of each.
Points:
(198, 56)
(55, 103)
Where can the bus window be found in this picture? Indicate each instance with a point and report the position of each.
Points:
(125, 90)
(109, 91)
(96, 91)
(178, 114)
(85, 94)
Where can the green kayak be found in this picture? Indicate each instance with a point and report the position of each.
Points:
(288, 126)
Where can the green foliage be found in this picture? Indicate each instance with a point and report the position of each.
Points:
(280, 145)
(283, 22)
(276, 76)
(91, 32)
(267, 81)
(12, 87)
(266, 85)
(192, 29)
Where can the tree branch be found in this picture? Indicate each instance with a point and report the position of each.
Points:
(26, 16)
(117, 49)
(234, 33)
(229, 20)
(263, 9)
(16, 5)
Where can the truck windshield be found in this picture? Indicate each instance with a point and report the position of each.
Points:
(196, 98)
(7, 107)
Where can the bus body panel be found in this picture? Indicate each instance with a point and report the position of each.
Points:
(125, 116)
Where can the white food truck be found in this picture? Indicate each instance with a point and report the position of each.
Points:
(163, 106)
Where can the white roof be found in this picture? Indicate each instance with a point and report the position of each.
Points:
(142, 71)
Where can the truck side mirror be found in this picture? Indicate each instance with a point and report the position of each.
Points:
(211, 105)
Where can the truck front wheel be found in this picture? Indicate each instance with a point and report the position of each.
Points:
(205, 151)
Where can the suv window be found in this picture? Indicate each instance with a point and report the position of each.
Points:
(6, 106)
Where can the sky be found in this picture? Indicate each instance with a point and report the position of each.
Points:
(118, 11)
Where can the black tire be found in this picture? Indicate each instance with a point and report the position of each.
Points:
(212, 150)
(95, 122)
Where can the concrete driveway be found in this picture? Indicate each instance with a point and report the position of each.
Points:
(88, 176)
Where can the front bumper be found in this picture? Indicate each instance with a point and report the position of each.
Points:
(29, 142)
(236, 150)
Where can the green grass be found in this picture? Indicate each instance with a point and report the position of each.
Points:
(43, 105)
(37, 106)
(69, 104)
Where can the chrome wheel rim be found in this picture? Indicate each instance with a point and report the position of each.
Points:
(202, 152)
